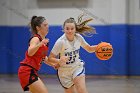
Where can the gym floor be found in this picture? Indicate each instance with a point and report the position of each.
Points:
(95, 84)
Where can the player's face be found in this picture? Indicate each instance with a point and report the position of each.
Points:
(69, 29)
(44, 27)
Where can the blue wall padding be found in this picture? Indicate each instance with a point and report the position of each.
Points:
(124, 39)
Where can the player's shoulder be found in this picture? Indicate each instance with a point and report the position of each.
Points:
(78, 36)
(34, 39)
(61, 39)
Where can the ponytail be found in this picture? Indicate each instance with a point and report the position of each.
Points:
(81, 26)
(36, 21)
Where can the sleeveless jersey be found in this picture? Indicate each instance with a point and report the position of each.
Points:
(35, 61)
(70, 49)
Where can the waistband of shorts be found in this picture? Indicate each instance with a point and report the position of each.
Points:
(22, 64)
(70, 67)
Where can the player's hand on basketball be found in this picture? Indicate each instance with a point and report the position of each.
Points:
(109, 44)
(106, 43)
(104, 51)
(63, 60)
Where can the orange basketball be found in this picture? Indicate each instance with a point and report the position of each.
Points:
(104, 51)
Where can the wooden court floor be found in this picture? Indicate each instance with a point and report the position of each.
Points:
(10, 84)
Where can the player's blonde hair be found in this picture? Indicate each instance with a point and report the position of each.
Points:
(81, 25)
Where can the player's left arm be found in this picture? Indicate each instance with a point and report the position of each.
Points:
(86, 46)
(89, 48)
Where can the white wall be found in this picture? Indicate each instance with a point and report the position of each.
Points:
(134, 12)
(118, 11)
(12, 12)
(104, 12)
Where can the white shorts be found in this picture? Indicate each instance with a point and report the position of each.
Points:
(67, 74)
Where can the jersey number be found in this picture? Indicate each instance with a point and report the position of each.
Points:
(71, 59)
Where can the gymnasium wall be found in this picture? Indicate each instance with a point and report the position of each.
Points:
(115, 21)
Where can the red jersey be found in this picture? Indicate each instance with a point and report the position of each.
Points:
(36, 60)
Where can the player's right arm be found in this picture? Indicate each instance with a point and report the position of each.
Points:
(56, 62)
(35, 44)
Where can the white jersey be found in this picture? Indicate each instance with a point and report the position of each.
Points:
(71, 49)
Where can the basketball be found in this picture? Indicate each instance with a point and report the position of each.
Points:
(104, 51)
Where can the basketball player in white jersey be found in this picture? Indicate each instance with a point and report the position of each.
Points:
(71, 71)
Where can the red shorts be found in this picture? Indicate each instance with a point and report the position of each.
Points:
(27, 75)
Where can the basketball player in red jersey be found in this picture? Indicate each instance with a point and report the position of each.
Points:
(34, 56)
